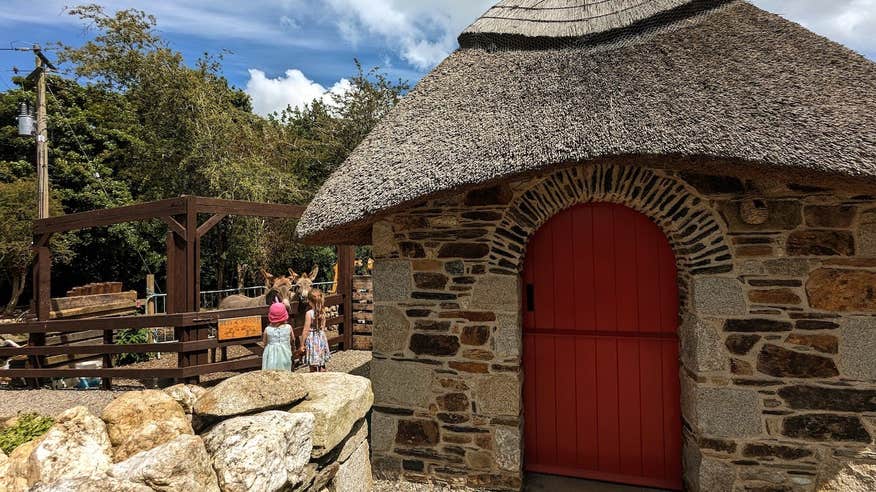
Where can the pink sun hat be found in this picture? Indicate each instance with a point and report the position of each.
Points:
(277, 313)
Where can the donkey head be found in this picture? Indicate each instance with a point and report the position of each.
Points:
(304, 282)
(279, 289)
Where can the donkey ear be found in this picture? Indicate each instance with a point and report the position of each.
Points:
(314, 272)
(292, 274)
(266, 274)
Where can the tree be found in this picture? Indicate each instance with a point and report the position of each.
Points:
(323, 135)
(17, 210)
(90, 131)
(139, 124)
(199, 135)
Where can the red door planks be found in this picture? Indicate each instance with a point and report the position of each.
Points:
(601, 381)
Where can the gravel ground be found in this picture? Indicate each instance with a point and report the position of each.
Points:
(393, 486)
(53, 402)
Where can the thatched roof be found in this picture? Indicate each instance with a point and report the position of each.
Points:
(537, 24)
(733, 83)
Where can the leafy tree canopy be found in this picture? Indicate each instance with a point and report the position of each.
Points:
(139, 124)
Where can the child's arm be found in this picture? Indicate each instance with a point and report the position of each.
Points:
(307, 321)
(264, 337)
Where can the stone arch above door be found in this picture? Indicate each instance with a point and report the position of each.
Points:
(694, 229)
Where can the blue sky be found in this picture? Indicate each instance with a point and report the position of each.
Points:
(290, 51)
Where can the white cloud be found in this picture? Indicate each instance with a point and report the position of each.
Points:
(423, 32)
(292, 89)
(420, 32)
(850, 22)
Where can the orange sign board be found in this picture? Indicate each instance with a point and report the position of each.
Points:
(234, 328)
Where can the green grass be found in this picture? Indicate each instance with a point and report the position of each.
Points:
(28, 426)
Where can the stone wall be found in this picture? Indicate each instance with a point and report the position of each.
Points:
(260, 432)
(778, 294)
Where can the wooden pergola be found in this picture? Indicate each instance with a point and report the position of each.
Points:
(191, 326)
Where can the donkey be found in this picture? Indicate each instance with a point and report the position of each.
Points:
(304, 282)
(279, 290)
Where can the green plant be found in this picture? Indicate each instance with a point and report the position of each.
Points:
(129, 337)
(27, 427)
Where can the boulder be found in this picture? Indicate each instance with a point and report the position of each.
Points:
(141, 420)
(4, 471)
(186, 395)
(357, 436)
(264, 452)
(354, 475)
(76, 446)
(17, 467)
(180, 465)
(102, 483)
(249, 393)
(338, 401)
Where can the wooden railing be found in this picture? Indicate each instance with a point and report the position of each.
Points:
(196, 356)
(198, 353)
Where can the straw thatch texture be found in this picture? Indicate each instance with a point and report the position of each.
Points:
(739, 84)
(562, 18)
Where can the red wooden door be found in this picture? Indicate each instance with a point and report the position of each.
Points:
(601, 388)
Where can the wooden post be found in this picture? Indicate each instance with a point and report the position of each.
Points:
(175, 302)
(150, 303)
(42, 291)
(107, 383)
(193, 278)
(346, 258)
(184, 283)
(150, 291)
(42, 140)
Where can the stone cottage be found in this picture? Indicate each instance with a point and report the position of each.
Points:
(625, 241)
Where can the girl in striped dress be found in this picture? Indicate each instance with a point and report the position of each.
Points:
(313, 340)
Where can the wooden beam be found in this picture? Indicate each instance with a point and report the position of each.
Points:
(42, 240)
(248, 209)
(174, 226)
(346, 259)
(110, 216)
(92, 373)
(43, 283)
(98, 324)
(209, 224)
(136, 348)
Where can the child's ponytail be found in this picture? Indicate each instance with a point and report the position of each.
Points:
(317, 301)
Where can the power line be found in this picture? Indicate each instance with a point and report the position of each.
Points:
(96, 171)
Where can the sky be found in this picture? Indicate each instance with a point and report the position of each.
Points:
(288, 52)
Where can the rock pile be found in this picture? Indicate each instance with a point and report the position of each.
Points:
(260, 431)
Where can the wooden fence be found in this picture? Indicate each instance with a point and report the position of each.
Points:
(197, 352)
(363, 312)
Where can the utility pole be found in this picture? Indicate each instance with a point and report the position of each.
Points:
(38, 78)
(42, 136)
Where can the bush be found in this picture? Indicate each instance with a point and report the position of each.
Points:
(128, 337)
(29, 426)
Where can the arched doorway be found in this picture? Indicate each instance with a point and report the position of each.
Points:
(600, 309)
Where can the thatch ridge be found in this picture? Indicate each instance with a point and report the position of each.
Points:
(740, 84)
(498, 33)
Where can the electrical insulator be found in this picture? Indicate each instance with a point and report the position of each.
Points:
(25, 121)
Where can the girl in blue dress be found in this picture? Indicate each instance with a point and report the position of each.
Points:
(313, 340)
(277, 340)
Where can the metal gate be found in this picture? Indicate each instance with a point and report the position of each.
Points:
(601, 389)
